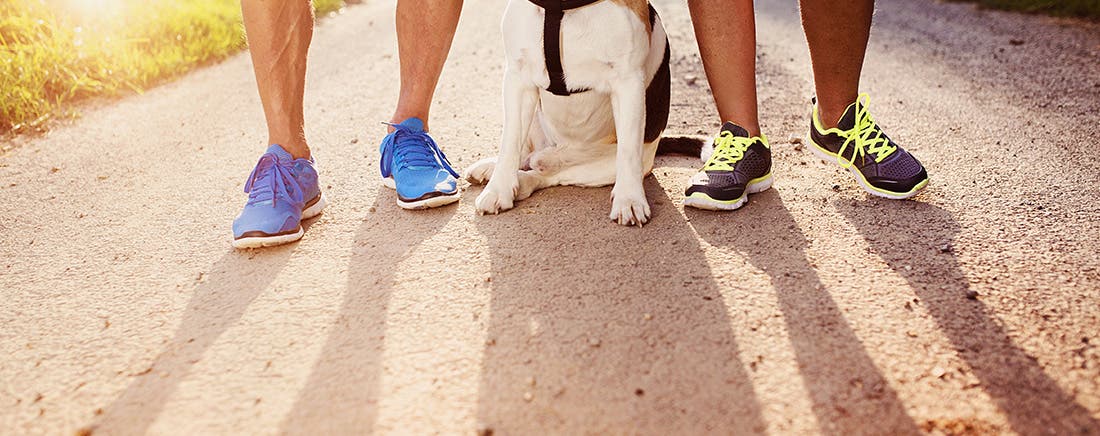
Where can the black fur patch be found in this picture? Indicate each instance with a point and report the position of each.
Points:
(658, 93)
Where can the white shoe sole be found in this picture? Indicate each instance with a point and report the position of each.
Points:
(706, 203)
(271, 241)
(427, 203)
(830, 158)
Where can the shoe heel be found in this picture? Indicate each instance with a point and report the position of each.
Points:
(822, 153)
(759, 186)
(315, 209)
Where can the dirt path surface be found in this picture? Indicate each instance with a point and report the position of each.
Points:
(816, 308)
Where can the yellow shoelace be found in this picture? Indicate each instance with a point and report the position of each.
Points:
(728, 150)
(865, 137)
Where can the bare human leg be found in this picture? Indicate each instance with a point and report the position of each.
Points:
(726, 32)
(279, 33)
(837, 33)
(425, 29)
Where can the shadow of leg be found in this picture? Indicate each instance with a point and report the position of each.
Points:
(342, 393)
(218, 303)
(598, 328)
(1032, 401)
(849, 393)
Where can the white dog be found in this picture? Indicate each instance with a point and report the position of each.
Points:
(586, 99)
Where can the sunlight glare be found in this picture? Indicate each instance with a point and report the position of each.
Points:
(93, 9)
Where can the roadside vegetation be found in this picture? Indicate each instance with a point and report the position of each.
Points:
(54, 52)
(1072, 8)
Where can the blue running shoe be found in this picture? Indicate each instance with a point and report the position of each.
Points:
(282, 191)
(415, 166)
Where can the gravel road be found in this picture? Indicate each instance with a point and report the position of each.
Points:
(972, 309)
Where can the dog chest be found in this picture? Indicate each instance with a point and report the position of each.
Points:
(598, 42)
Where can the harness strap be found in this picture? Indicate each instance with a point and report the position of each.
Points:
(551, 41)
(551, 49)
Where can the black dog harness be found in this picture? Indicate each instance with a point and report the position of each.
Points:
(551, 41)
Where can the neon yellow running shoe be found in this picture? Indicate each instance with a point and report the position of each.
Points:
(877, 163)
(739, 166)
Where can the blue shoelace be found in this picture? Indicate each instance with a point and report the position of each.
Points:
(271, 179)
(407, 149)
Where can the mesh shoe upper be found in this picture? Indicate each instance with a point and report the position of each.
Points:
(859, 141)
(737, 160)
(418, 167)
(278, 189)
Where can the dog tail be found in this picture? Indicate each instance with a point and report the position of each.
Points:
(682, 145)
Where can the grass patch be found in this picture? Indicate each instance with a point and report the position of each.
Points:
(54, 52)
(1070, 8)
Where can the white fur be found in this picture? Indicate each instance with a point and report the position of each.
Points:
(593, 138)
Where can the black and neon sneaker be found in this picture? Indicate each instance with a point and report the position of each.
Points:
(878, 164)
(739, 166)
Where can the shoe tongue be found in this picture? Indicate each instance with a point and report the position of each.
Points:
(413, 123)
(735, 129)
(848, 120)
(277, 150)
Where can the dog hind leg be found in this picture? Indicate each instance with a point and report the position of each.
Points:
(479, 172)
(529, 180)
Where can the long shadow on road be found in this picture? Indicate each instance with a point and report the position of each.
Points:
(218, 303)
(848, 392)
(597, 328)
(343, 390)
(1029, 398)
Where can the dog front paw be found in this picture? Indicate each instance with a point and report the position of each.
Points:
(495, 199)
(479, 172)
(630, 209)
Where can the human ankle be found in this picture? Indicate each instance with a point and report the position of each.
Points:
(400, 116)
(829, 118)
(754, 131)
(297, 149)
(752, 128)
(831, 110)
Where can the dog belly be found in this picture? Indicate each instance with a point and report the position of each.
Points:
(576, 119)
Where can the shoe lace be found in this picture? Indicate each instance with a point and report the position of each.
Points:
(414, 148)
(865, 137)
(728, 150)
(273, 178)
